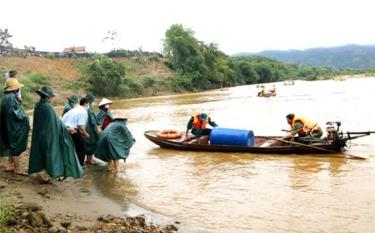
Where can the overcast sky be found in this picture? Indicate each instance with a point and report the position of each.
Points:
(235, 25)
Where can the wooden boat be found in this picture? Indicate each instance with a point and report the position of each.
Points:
(269, 94)
(263, 145)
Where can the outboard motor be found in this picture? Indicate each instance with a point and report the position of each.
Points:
(333, 130)
(334, 134)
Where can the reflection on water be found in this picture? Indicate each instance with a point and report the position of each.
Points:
(233, 192)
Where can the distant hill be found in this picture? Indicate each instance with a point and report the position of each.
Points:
(349, 56)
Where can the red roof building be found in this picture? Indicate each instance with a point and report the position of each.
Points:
(81, 49)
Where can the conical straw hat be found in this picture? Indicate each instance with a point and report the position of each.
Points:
(104, 102)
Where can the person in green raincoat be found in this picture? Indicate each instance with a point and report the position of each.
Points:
(14, 126)
(72, 100)
(93, 128)
(115, 142)
(52, 149)
(103, 114)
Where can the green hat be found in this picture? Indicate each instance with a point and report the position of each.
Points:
(46, 91)
(73, 99)
(203, 116)
(12, 73)
(290, 116)
(90, 97)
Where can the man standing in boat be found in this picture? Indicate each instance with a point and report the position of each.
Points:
(306, 129)
(198, 124)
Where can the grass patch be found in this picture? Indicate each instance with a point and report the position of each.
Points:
(33, 82)
(5, 213)
(72, 85)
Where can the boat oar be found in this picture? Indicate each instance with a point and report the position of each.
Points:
(314, 147)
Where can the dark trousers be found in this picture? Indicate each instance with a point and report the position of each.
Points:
(80, 146)
(201, 132)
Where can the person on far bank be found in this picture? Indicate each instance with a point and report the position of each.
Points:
(52, 152)
(92, 128)
(198, 124)
(103, 114)
(303, 127)
(69, 105)
(75, 120)
(14, 126)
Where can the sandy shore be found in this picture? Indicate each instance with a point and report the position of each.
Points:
(76, 201)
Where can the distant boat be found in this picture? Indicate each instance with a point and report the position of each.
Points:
(289, 83)
(339, 78)
(268, 94)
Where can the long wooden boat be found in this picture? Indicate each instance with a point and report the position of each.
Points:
(262, 145)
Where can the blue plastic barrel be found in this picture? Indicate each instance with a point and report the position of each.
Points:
(231, 137)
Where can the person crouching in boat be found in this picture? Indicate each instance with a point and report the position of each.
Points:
(198, 124)
(306, 129)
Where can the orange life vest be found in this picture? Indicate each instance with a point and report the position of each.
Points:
(198, 124)
(308, 126)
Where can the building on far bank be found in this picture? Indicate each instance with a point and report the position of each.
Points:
(81, 49)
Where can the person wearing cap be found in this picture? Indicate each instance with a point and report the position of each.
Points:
(198, 124)
(69, 105)
(52, 152)
(303, 127)
(103, 114)
(76, 120)
(93, 129)
(14, 126)
(13, 74)
(115, 142)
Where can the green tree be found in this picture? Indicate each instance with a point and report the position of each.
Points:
(105, 76)
(265, 72)
(246, 72)
(4, 40)
(204, 66)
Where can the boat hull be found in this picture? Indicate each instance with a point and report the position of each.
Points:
(279, 148)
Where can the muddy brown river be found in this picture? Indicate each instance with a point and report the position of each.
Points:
(234, 192)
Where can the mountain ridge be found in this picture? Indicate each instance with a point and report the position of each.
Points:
(351, 56)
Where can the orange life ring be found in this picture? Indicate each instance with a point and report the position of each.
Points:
(169, 134)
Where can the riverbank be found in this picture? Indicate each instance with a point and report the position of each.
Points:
(66, 206)
(66, 76)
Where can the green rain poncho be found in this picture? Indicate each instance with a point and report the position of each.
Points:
(92, 124)
(67, 106)
(100, 115)
(52, 148)
(115, 142)
(14, 126)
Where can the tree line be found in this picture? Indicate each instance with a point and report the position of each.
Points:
(197, 66)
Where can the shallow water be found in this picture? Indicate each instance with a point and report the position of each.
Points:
(233, 192)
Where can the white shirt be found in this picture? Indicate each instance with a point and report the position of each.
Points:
(76, 116)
